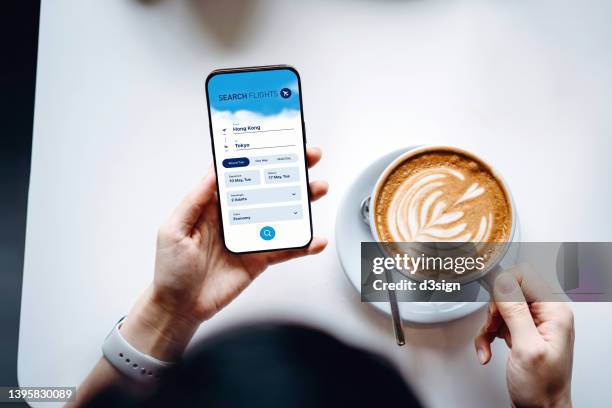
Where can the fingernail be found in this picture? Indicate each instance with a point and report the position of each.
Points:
(505, 283)
(482, 357)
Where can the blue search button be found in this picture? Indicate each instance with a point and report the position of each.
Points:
(267, 233)
(236, 162)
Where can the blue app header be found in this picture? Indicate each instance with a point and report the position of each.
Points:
(263, 92)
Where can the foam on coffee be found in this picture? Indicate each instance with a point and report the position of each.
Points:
(442, 195)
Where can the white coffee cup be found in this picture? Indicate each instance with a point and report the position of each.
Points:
(487, 275)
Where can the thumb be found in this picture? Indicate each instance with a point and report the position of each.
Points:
(514, 310)
(188, 211)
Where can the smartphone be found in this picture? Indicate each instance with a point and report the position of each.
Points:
(259, 150)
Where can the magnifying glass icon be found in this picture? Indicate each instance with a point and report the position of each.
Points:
(267, 233)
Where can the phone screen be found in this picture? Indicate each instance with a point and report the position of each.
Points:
(257, 131)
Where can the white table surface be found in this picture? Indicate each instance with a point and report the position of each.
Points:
(121, 134)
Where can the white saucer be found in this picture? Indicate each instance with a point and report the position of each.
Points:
(351, 230)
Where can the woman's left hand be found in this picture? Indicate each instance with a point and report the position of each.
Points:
(195, 276)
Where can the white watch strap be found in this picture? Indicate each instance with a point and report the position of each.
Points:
(132, 363)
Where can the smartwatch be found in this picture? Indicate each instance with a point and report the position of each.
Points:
(138, 366)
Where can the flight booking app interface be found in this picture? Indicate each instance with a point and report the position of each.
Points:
(257, 130)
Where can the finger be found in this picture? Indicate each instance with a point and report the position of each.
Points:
(514, 310)
(317, 245)
(545, 305)
(493, 309)
(504, 333)
(533, 286)
(486, 335)
(313, 155)
(187, 213)
(318, 189)
(494, 320)
(502, 330)
(482, 342)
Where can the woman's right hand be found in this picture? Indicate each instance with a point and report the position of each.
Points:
(540, 335)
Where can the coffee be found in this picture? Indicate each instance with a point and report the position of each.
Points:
(442, 195)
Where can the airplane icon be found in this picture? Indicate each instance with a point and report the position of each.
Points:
(285, 93)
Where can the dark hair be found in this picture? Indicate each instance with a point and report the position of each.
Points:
(278, 365)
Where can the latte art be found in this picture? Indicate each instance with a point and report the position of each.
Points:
(425, 209)
(442, 196)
